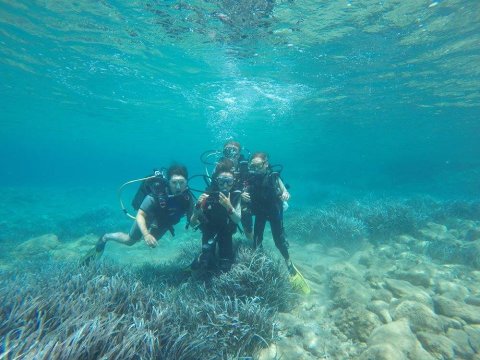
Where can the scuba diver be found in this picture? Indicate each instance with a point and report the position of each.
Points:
(161, 202)
(232, 150)
(218, 212)
(267, 194)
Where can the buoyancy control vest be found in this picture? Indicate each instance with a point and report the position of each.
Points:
(216, 216)
(173, 208)
(265, 193)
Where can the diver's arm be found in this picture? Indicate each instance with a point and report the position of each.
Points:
(194, 219)
(236, 213)
(285, 195)
(141, 220)
(198, 209)
(190, 209)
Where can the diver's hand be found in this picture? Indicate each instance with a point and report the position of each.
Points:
(285, 196)
(225, 201)
(150, 240)
(202, 198)
(245, 197)
(200, 202)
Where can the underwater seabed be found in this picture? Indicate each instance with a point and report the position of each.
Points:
(390, 279)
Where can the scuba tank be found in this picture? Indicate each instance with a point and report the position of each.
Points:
(154, 184)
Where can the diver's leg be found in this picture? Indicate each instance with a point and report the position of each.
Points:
(122, 238)
(134, 235)
(97, 251)
(278, 234)
(225, 250)
(247, 222)
(258, 230)
(207, 257)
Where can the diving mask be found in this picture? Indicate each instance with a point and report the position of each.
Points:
(225, 181)
(256, 167)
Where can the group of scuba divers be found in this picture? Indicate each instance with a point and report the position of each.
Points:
(237, 191)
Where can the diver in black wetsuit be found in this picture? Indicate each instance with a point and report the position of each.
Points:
(218, 211)
(266, 194)
(232, 150)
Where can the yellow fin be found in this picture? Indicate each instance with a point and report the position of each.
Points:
(299, 283)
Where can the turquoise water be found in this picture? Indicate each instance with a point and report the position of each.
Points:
(370, 96)
(358, 100)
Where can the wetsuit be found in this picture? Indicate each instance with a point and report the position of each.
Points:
(217, 229)
(162, 212)
(267, 205)
(242, 176)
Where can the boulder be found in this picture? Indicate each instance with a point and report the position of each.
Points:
(451, 290)
(346, 269)
(419, 277)
(453, 308)
(473, 333)
(419, 316)
(473, 300)
(434, 231)
(292, 350)
(404, 289)
(394, 341)
(441, 347)
(73, 250)
(357, 323)
(449, 322)
(461, 340)
(473, 234)
(374, 278)
(383, 352)
(380, 308)
(345, 284)
(37, 247)
(455, 252)
(269, 353)
(383, 295)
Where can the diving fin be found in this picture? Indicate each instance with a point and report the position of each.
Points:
(298, 282)
(94, 253)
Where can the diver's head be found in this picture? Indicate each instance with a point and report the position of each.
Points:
(225, 181)
(224, 176)
(231, 150)
(258, 163)
(177, 179)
